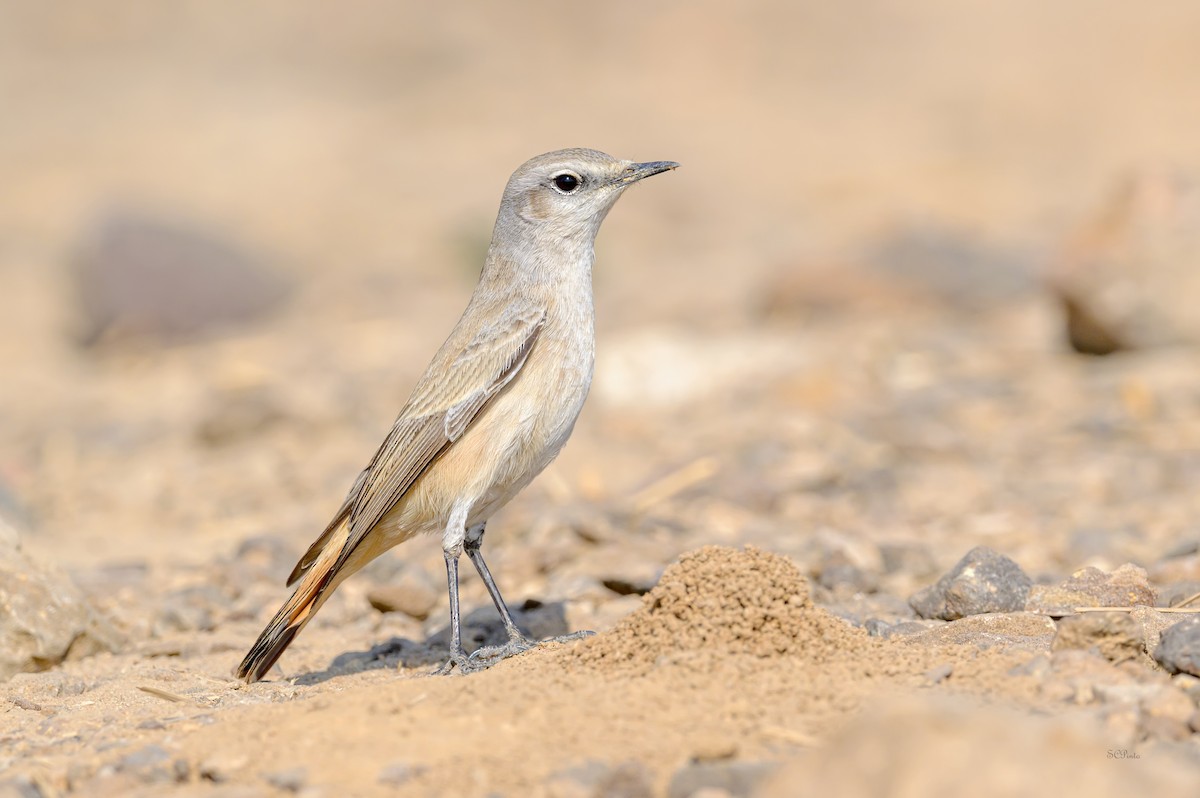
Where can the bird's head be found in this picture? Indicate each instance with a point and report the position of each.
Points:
(567, 193)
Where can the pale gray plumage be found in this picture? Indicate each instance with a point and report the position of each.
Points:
(495, 405)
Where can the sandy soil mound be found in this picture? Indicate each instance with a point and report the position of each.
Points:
(728, 601)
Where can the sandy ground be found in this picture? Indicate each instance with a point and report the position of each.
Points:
(826, 337)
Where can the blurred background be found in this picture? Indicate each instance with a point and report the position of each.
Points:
(231, 236)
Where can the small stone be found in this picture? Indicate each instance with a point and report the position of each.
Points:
(735, 778)
(1194, 721)
(412, 592)
(876, 627)
(632, 584)
(1116, 636)
(1179, 648)
(982, 582)
(289, 780)
(1127, 586)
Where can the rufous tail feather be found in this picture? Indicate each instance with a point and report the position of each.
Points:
(310, 593)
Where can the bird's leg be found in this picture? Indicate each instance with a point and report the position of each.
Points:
(457, 655)
(517, 641)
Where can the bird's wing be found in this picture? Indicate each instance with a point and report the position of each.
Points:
(457, 386)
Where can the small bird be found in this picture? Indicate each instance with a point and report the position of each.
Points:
(491, 411)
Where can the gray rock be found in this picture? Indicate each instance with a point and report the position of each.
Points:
(1115, 635)
(137, 274)
(982, 582)
(1179, 648)
(44, 617)
(600, 780)
(735, 778)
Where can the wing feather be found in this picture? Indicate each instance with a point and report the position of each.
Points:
(455, 389)
(477, 374)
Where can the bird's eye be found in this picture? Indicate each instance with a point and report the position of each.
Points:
(566, 182)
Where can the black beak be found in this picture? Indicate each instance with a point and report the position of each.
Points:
(639, 171)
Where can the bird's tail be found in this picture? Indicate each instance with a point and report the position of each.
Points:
(317, 584)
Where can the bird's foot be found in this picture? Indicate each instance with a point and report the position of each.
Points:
(519, 644)
(489, 655)
(459, 659)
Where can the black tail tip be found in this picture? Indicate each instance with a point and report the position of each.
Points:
(265, 653)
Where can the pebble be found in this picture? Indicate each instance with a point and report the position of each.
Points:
(1179, 648)
(1116, 636)
(629, 584)
(983, 581)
